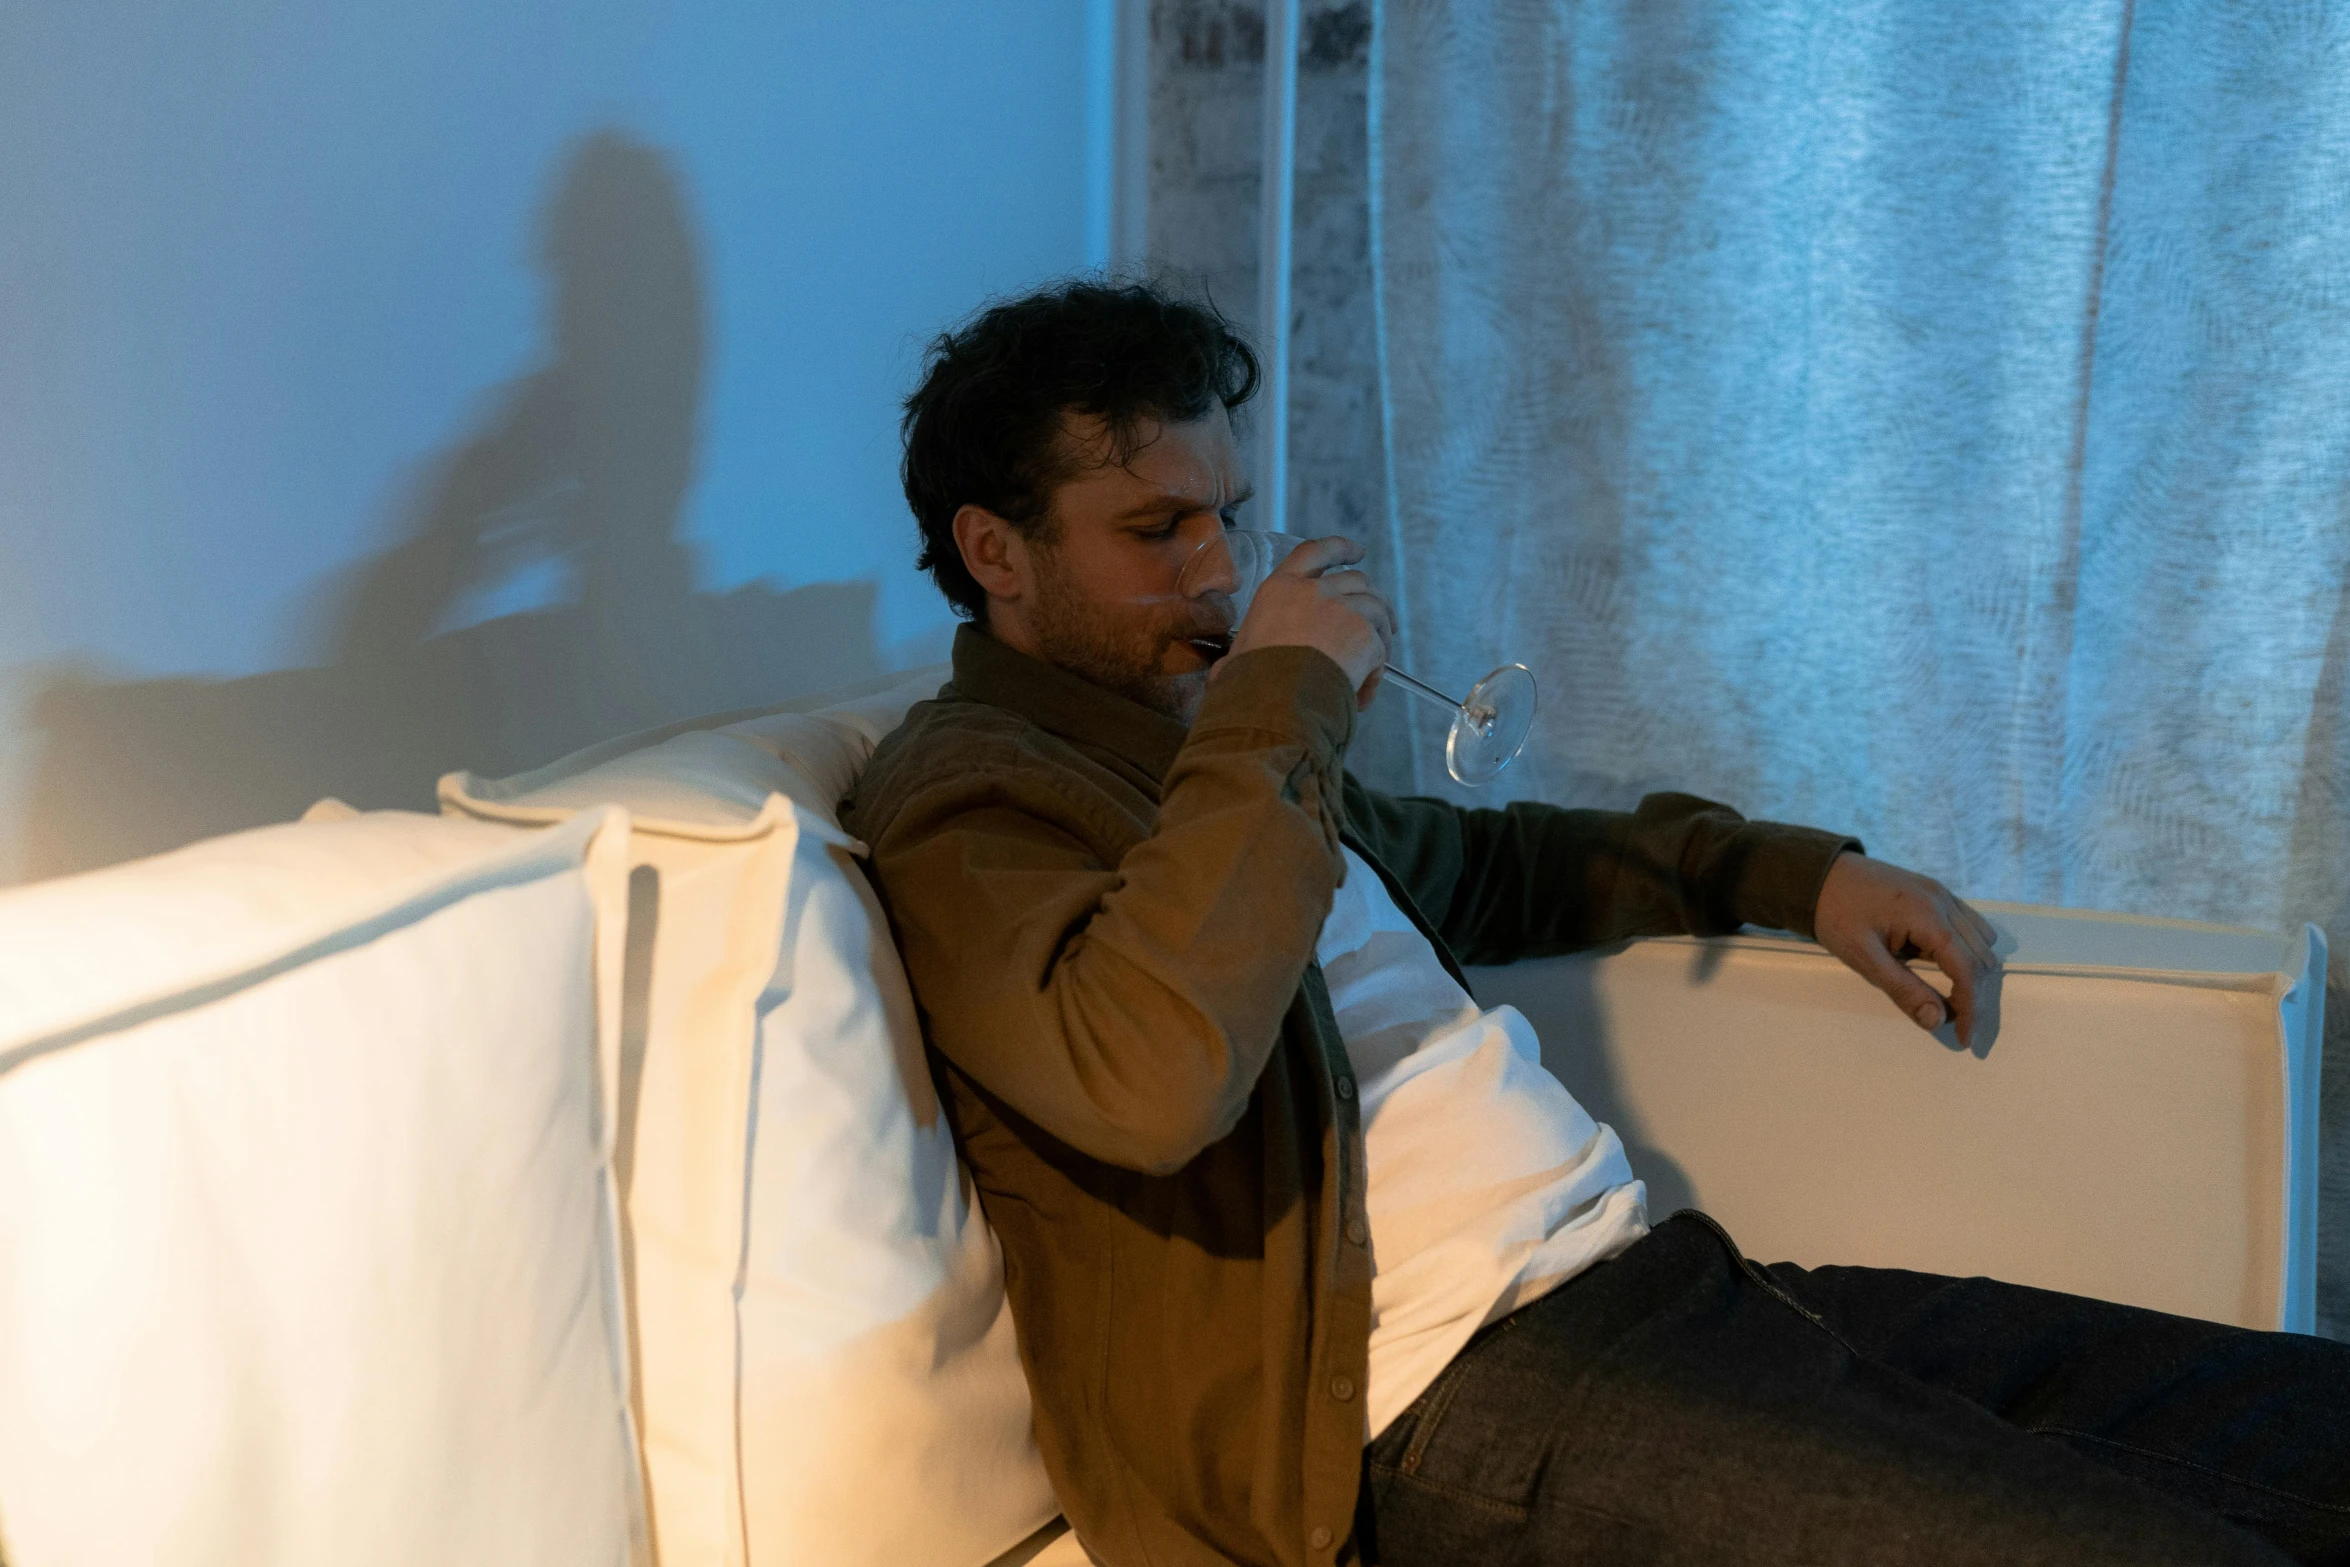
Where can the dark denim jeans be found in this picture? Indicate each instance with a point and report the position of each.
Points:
(1681, 1404)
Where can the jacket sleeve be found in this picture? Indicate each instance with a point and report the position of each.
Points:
(1529, 880)
(1129, 1008)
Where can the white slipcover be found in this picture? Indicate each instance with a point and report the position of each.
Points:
(827, 1371)
(2144, 1128)
(306, 1248)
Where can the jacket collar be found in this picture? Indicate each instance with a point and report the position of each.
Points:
(1064, 704)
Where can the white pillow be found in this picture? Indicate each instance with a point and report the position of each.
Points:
(307, 1252)
(826, 1365)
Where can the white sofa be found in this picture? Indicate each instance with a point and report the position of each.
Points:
(809, 1355)
(2142, 1129)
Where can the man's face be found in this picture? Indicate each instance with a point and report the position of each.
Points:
(1105, 603)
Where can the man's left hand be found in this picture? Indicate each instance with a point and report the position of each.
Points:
(1876, 916)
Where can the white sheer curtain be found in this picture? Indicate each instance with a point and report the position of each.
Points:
(1931, 421)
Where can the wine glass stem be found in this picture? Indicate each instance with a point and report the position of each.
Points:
(1421, 688)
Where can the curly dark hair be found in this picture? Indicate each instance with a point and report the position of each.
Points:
(984, 427)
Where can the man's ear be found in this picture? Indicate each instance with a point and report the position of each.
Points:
(993, 552)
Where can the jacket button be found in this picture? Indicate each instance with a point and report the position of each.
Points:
(1319, 1539)
(1342, 1388)
(1345, 1087)
(1358, 1232)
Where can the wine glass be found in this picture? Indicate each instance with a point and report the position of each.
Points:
(1489, 725)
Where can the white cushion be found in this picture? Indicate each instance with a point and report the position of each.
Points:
(826, 1365)
(307, 1252)
(2144, 1128)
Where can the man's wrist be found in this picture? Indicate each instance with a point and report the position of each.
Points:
(1293, 691)
(1784, 871)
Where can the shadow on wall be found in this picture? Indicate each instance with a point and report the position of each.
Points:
(578, 471)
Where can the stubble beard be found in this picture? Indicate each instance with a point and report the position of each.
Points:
(1116, 647)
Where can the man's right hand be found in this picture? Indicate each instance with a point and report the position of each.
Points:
(1314, 600)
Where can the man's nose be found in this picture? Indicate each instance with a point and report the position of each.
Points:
(1209, 568)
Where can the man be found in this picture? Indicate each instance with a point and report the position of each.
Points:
(1311, 1261)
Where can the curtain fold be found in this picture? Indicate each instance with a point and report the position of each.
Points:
(1927, 421)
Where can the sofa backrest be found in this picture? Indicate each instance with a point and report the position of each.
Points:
(2143, 1129)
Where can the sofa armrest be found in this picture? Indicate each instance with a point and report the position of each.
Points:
(2143, 1129)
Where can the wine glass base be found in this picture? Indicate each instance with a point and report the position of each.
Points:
(1491, 728)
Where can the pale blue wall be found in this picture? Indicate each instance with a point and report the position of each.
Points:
(267, 270)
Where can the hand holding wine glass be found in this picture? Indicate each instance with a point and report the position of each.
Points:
(1312, 581)
(1310, 599)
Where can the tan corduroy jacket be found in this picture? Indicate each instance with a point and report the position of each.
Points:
(1110, 927)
